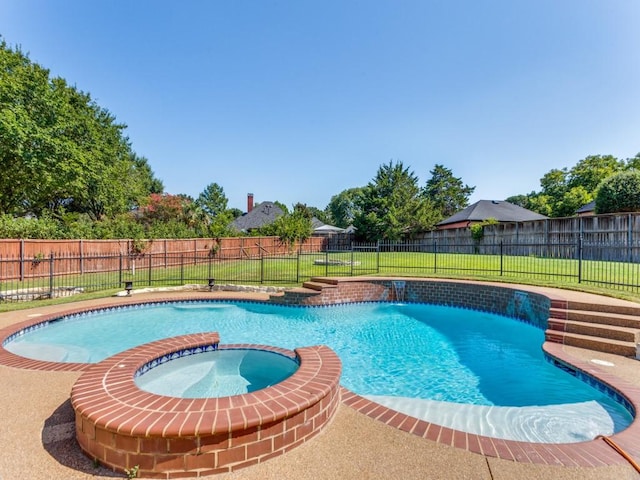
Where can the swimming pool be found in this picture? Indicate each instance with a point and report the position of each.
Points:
(469, 370)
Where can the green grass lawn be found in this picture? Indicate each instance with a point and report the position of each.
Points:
(610, 278)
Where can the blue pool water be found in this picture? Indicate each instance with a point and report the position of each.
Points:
(422, 355)
(221, 373)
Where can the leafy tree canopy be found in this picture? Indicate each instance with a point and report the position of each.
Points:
(212, 200)
(563, 191)
(59, 150)
(391, 206)
(447, 193)
(291, 227)
(344, 207)
(619, 193)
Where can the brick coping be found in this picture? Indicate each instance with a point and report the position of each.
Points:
(122, 426)
(584, 454)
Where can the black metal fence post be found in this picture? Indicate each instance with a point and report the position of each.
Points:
(501, 258)
(378, 256)
(352, 261)
(326, 262)
(120, 270)
(51, 275)
(580, 259)
(435, 256)
(150, 269)
(210, 265)
(261, 266)
(22, 260)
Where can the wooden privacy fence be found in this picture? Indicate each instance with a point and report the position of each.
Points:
(23, 258)
(613, 237)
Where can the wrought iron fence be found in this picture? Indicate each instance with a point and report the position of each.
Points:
(574, 262)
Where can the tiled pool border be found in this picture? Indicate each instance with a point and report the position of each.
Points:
(457, 293)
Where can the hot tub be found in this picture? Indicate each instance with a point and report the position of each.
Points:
(123, 426)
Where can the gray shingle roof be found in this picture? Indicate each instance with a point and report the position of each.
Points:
(262, 214)
(589, 207)
(498, 209)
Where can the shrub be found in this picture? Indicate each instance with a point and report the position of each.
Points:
(619, 193)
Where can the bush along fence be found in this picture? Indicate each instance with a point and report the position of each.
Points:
(577, 262)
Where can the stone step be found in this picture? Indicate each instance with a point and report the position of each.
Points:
(604, 318)
(613, 332)
(616, 347)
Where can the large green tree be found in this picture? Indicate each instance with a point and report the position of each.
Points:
(59, 150)
(213, 200)
(591, 170)
(563, 191)
(392, 207)
(447, 193)
(344, 207)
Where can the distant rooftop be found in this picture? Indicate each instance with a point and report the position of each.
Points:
(262, 214)
(498, 209)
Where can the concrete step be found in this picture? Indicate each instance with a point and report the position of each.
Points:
(616, 347)
(603, 318)
(317, 286)
(326, 281)
(613, 332)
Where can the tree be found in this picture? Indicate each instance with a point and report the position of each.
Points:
(619, 193)
(291, 227)
(590, 171)
(565, 190)
(575, 198)
(633, 162)
(149, 182)
(59, 150)
(447, 193)
(213, 200)
(391, 206)
(164, 208)
(321, 215)
(344, 207)
(520, 200)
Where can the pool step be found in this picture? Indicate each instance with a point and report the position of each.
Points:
(623, 334)
(604, 328)
(605, 308)
(317, 286)
(606, 345)
(590, 316)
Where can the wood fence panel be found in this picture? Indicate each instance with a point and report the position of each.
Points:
(614, 237)
(25, 258)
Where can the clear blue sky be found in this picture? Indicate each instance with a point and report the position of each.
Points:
(298, 100)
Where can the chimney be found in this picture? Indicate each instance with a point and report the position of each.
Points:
(249, 202)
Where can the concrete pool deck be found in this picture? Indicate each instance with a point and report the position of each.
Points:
(37, 437)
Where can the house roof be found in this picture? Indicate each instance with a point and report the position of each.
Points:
(320, 227)
(328, 228)
(316, 223)
(498, 209)
(262, 214)
(589, 207)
